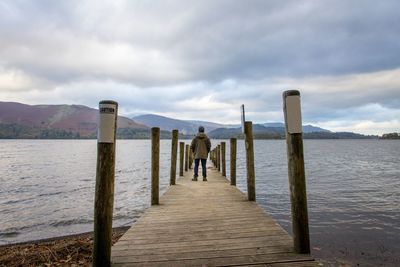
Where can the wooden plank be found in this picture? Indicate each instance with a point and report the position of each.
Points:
(205, 235)
(201, 252)
(144, 244)
(222, 261)
(167, 249)
(206, 224)
(284, 264)
(237, 226)
(206, 253)
(202, 222)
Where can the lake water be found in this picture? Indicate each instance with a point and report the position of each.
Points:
(47, 190)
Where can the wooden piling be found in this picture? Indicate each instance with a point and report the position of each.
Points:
(219, 157)
(105, 175)
(215, 157)
(174, 155)
(296, 173)
(155, 165)
(233, 160)
(251, 177)
(181, 157)
(212, 156)
(223, 159)
(186, 157)
(190, 158)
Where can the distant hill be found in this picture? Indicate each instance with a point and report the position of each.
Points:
(312, 129)
(262, 132)
(306, 128)
(54, 121)
(190, 127)
(259, 132)
(187, 127)
(211, 125)
(274, 124)
(75, 121)
(337, 135)
(166, 123)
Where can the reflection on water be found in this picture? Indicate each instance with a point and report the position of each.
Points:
(47, 189)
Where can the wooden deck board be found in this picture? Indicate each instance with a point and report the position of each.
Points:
(206, 224)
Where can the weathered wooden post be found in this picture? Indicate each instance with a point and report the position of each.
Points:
(105, 175)
(186, 158)
(296, 173)
(219, 157)
(251, 177)
(233, 161)
(223, 159)
(190, 158)
(174, 155)
(181, 157)
(212, 156)
(155, 165)
(215, 156)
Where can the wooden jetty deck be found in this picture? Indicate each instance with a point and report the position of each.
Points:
(206, 224)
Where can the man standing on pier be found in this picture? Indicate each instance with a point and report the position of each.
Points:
(200, 146)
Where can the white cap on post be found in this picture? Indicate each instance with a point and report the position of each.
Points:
(292, 111)
(107, 121)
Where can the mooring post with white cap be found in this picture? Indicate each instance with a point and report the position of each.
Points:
(296, 173)
(105, 175)
(155, 165)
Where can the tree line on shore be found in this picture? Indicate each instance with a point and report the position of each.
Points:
(16, 131)
(391, 136)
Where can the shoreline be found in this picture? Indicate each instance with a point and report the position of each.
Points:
(69, 250)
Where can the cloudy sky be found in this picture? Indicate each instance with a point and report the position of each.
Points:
(203, 59)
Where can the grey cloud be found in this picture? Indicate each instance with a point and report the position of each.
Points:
(208, 40)
(302, 39)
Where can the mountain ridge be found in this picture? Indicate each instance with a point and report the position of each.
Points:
(40, 121)
(262, 132)
(190, 127)
(21, 121)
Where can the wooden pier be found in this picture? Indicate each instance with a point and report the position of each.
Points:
(203, 223)
(206, 224)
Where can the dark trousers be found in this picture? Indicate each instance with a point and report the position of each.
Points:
(203, 166)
